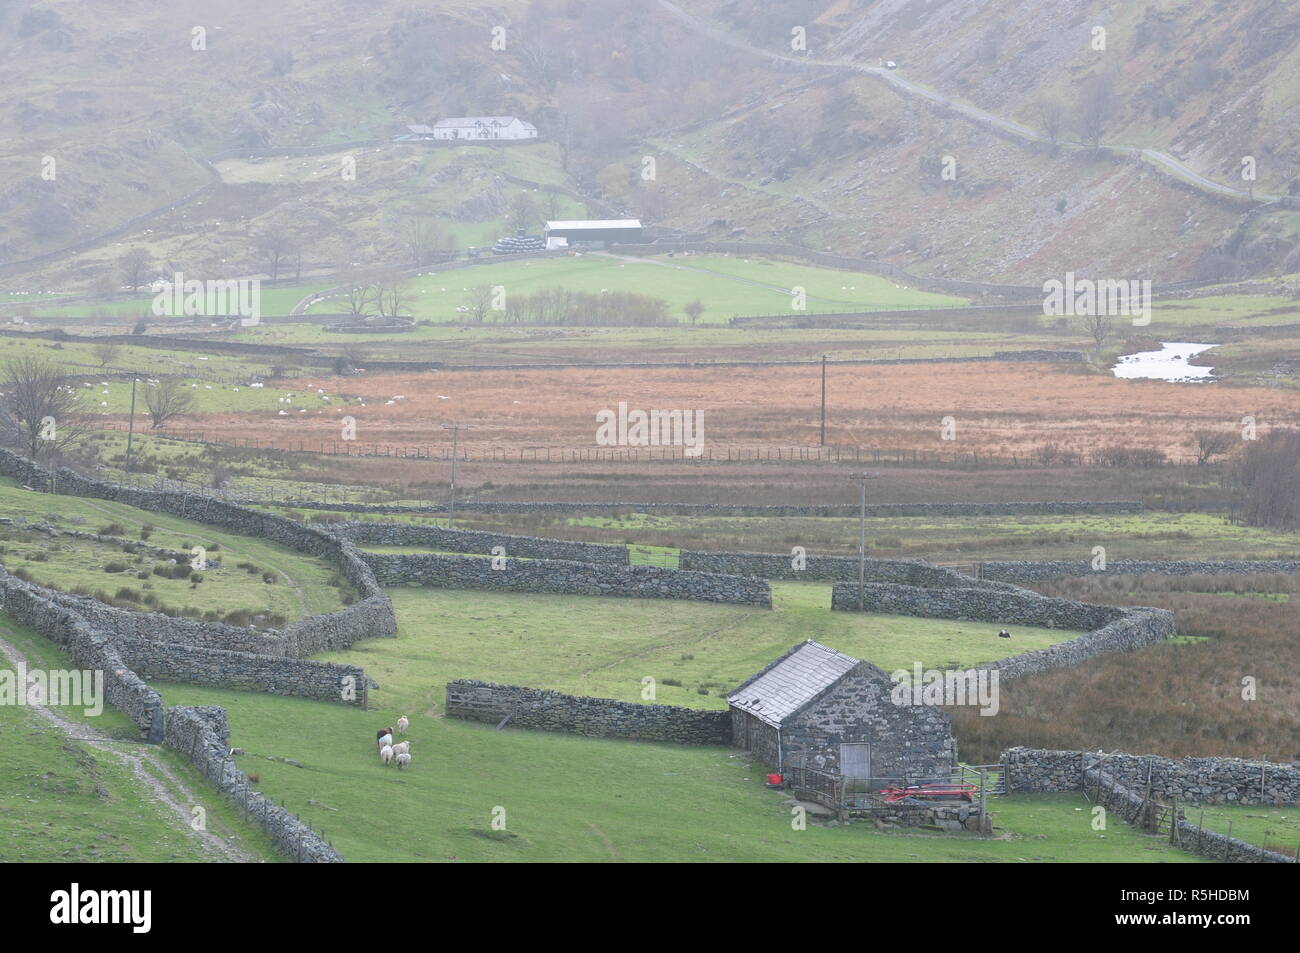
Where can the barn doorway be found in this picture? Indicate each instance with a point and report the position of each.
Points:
(855, 767)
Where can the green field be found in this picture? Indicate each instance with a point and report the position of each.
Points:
(581, 799)
(299, 585)
(1276, 828)
(725, 286)
(1152, 535)
(64, 800)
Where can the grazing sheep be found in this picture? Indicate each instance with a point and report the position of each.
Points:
(384, 737)
(402, 724)
(386, 754)
(403, 761)
(1004, 634)
(402, 747)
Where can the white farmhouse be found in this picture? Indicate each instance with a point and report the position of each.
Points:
(484, 127)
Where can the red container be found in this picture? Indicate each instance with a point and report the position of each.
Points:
(774, 779)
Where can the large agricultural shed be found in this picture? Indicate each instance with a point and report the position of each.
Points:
(817, 708)
(593, 232)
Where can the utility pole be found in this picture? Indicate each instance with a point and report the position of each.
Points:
(130, 432)
(862, 534)
(455, 443)
(823, 400)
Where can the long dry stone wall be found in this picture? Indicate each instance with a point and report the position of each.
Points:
(1109, 628)
(89, 650)
(601, 717)
(1190, 780)
(370, 617)
(475, 541)
(202, 734)
(124, 645)
(909, 572)
(1031, 571)
(565, 577)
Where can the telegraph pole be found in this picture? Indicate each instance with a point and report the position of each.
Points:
(823, 400)
(130, 432)
(455, 443)
(862, 534)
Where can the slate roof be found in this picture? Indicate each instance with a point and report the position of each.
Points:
(792, 681)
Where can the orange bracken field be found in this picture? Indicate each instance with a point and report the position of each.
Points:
(998, 408)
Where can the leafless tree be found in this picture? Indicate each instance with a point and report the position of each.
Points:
(1051, 114)
(1211, 444)
(421, 236)
(1098, 326)
(40, 413)
(168, 400)
(694, 310)
(479, 302)
(275, 246)
(1269, 477)
(107, 352)
(135, 268)
(1096, 104)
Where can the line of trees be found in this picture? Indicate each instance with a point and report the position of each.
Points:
(560, 306)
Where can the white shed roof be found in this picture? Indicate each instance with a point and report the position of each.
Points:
(597, 223)
(791, 682)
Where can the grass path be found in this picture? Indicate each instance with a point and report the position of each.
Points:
(173, 796)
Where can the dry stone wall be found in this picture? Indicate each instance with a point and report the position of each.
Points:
(909, 572)
(600, 717)
(1031, 571)
(565, 577)
(474, 541)
(1190, 780)
(1120, 782)
(370, 617)
(202, 734)
(1109, 628)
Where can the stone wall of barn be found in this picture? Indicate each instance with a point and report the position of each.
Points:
(912, 742)
(757, 737)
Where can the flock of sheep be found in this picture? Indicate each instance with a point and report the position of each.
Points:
(389, 752)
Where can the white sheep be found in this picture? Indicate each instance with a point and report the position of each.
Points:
(402, 724)
(386, 754)
(385, 739)
(402, 747)
(403, 761)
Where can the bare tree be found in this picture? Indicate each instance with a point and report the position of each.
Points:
(275, 247)
(1269, 477)
(1096, 104)
(479, 302)
(1099, 326)
(167, 401)
(107, 352)
(694, 310)
(135, 267)
(1211, 444)
(420, 236)
(523, 211)
(1051, 114)
(39, 413)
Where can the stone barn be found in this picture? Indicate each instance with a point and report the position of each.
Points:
(818, 708)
